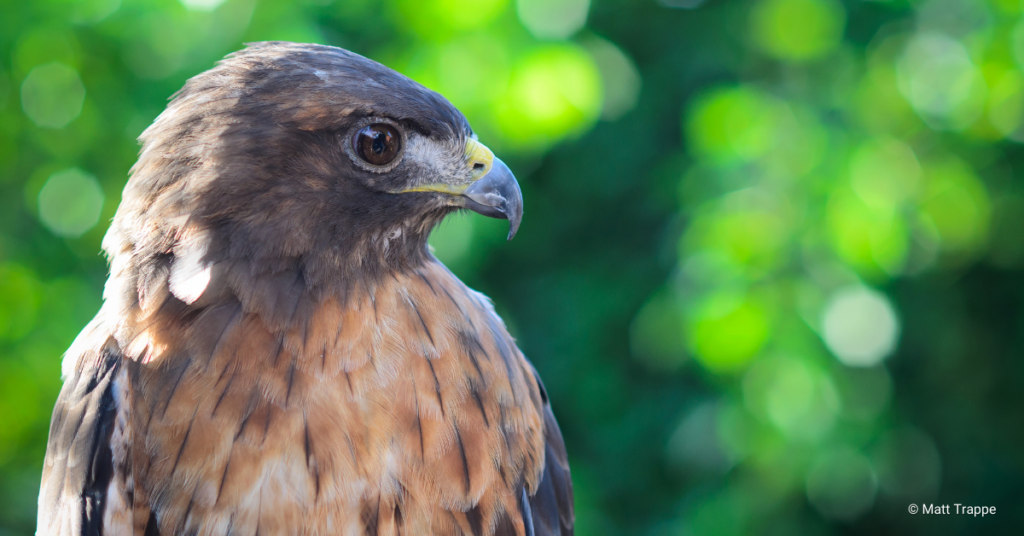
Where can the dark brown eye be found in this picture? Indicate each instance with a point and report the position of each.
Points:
(377, 144)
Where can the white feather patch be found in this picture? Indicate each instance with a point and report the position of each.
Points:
(190, 274)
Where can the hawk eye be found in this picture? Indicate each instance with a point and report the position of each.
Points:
(377, 144)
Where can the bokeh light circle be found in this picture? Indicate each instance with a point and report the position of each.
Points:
(860, 326)
(52, 95)
(728, 331)
(796, 397)
(619, 76)
(938, 77)
(70, 202)
(553, 19)
(797, 30)
(885, 173)
(841, 484)
(732, 124)
(909, 465)
(553, 92)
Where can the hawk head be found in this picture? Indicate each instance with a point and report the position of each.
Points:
(292, 157)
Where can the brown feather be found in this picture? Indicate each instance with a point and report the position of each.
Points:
(391, 411)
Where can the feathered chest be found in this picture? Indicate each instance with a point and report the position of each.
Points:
(406, 408)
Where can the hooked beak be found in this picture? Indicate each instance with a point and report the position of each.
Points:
(497, 195)
(492, 190)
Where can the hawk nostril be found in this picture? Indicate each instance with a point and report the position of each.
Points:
(478, 166)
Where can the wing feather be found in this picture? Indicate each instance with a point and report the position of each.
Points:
(79, 461)
(551, 506)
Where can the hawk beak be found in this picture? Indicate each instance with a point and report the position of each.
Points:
(496, 194)
(494, 191)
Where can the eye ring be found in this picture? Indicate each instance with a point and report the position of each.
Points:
(378, 145)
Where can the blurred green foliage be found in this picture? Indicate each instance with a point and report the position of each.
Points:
(771, 264)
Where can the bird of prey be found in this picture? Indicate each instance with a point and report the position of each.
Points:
(278, 351)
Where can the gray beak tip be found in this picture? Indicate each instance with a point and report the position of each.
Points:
(497, 195)
(513, 226)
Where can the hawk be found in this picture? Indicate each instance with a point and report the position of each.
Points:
(278, 351)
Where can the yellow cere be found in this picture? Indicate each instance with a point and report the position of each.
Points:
(478, 153)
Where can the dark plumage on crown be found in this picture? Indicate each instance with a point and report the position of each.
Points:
(246, 171)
